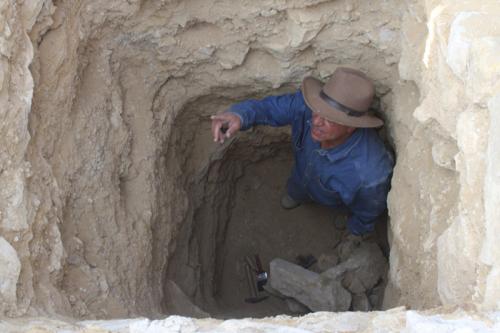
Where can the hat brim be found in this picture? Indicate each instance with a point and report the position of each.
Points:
(311, 88)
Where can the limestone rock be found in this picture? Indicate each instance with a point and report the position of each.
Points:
(361, 271)
(10, 267)
(318, 293)
(437, 197)
(490, 250)
(296, 307)
(483, 82)
(467, 27)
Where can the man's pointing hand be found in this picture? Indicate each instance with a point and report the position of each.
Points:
(224, 125)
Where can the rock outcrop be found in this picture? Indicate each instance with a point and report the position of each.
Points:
(443, 207)
(341, 287)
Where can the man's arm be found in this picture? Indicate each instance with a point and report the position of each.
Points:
(368, 204)
(272, 110)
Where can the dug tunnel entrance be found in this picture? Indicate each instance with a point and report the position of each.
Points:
(233, 193)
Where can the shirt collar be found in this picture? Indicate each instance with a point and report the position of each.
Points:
(341, 151)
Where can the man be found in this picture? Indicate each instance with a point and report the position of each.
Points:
(339, 159)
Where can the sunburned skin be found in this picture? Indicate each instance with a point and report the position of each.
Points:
(329, 133)
(224, 126)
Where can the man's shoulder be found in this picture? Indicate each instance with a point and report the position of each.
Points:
(295, 95)
(298, 98)
(373, 162)
(293, 100)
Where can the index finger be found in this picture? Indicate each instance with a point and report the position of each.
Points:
(216, 126)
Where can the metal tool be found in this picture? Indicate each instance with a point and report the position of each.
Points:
(261, 274)
(253, 281)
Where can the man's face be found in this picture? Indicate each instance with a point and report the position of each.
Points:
(328, 133)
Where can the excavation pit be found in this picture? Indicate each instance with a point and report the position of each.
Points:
(234, 191)
(112, 186)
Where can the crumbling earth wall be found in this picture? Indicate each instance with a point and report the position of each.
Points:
(93, 192)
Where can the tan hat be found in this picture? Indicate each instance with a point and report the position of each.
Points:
(345, 98)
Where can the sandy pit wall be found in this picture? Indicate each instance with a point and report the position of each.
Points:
(92, 198)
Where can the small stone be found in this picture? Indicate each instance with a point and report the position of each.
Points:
(268, 12)
(362, 270)
(74, 259)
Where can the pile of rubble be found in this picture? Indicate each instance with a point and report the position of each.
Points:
(352, 277)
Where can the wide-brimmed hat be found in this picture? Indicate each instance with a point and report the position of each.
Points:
(344, 99)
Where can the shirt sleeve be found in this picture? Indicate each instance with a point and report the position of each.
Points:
(368, 204)
(272, 110)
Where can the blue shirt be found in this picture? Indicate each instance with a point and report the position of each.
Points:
(355, 174)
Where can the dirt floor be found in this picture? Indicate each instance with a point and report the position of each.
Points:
(260, 226)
